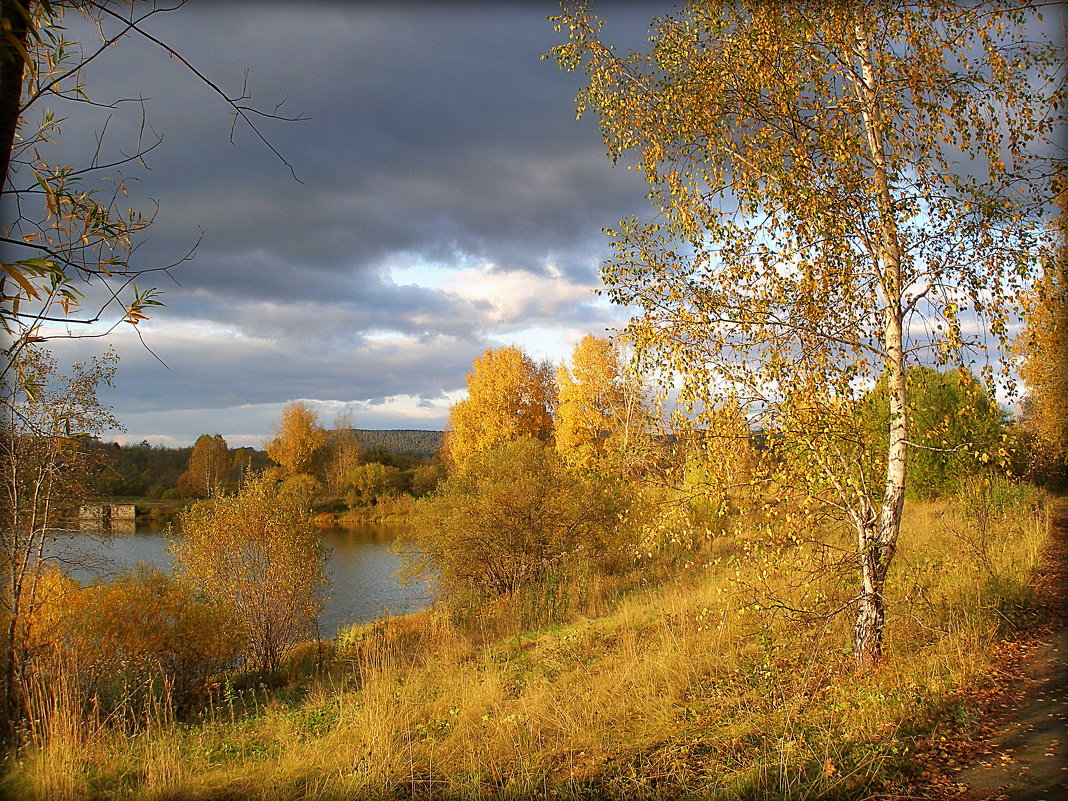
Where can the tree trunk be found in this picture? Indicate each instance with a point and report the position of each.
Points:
(10, 707)
(878, 537)
(14, 19)
(878, 534)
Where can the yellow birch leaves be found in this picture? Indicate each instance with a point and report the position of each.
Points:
(510, 397)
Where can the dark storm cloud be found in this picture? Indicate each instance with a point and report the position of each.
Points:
(435, 138)
(234, 369)
(432, 129)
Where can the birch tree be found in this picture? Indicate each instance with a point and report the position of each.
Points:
(842, 190)
(298, 440)
(345, 451)
(209, 468)
(45, 417)
(600, 415)
(509, 397)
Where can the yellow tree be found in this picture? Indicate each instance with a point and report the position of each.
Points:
(719, 460)
(209, 468)
(842, 189)
(1044, 346)
(509, 396)
(257, 553)
(511, 515)
(45, 416)
(599, 410)
(344, 452)
(298, 440)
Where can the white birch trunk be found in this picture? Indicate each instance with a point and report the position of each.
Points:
(879, 533)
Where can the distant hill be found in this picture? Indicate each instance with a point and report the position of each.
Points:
(402, 441)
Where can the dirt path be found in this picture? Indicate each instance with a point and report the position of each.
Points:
(1021, 753)
(1027, 755)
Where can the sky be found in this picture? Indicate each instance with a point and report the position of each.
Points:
(440, 198)
(446, 201)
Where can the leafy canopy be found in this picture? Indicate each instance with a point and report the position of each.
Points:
(509, 396)
(754, 124)
(600, 412)
(298, 440)
(259, 554)
(841, 190)
(209, 468)
(956, 427)
(1044, 346)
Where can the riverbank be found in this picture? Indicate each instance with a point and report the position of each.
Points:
(147, 511)
(159, 511)
(687, 687)
(392, 511)
(164, 512)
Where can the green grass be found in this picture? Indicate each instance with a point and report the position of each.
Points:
(698, 687)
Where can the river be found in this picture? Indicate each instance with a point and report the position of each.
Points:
(360, 562)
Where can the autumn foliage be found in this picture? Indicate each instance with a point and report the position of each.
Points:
(512, 515)
(1044, 348)
(509, 397)
(209, 470)
(146, 626)
(827, 183)
(298, 440)
(601, 418)
(259, 554)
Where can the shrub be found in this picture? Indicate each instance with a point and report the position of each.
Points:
(368, 483)
(258, 552)
(144, 625)
(511, 517)
(300, 489)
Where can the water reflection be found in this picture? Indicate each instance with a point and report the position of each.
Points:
(361, 563)
(118, 518)
(364, 567)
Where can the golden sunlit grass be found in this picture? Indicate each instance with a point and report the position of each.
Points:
(689, 687)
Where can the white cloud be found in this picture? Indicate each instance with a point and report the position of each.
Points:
(513, 295)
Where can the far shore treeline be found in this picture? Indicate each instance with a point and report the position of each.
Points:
(152, 472)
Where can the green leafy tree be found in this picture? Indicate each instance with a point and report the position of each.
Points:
(258, 553)
(841, 190)
(369, 483)
(957, 430)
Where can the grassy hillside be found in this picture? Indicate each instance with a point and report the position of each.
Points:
(708, 682)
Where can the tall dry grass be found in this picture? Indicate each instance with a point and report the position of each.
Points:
(716, 685)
